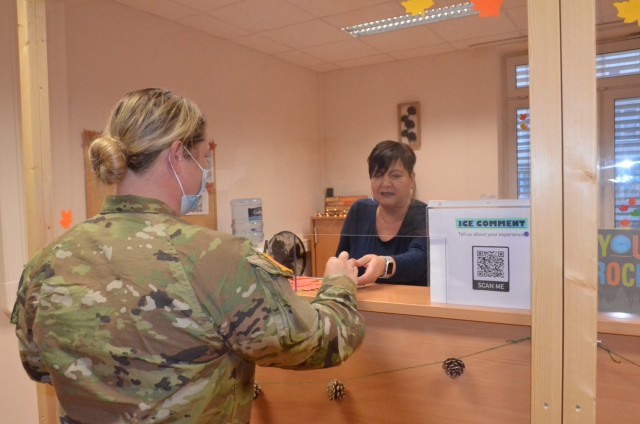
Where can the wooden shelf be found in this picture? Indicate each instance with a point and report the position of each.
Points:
(325, 238)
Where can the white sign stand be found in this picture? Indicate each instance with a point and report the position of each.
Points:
(480, 253)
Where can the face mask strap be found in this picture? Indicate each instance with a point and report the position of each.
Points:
(176, 175)
(204, 171)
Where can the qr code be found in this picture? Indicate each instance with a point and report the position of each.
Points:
(491, 263)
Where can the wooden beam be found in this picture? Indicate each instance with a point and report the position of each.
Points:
(36, 137)
(546, 211)
(36, 146)
(580, 177)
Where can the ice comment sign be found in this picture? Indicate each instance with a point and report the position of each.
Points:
(480, 253)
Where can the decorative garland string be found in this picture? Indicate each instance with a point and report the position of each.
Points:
(611, 353)
(508, 343)
(453, 367)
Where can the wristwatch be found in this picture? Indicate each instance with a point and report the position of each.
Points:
(388, 267)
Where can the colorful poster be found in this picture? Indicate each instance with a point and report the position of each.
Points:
(619, 271)
(480, 253)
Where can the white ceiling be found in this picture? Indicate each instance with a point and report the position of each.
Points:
(308, 33)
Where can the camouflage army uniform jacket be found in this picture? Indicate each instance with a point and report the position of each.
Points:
(136, 316)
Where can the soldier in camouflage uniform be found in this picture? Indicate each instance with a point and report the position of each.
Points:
(136, 316)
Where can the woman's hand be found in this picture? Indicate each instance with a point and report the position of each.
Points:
(342, 265)
(374, 268)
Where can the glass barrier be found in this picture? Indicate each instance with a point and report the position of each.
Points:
(618, 235)
(473, 253)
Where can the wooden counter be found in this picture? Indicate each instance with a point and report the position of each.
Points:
(412, 300)
(396, 376)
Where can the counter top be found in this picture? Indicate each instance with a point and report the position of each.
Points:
(416, 301)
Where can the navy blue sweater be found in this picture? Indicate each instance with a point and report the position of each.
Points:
(409, 247)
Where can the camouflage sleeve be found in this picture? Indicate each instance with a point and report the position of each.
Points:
(264, 321)
(22, 317)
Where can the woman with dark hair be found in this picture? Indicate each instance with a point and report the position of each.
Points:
(387, 233)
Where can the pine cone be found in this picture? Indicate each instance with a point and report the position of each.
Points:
(336, 390)
(256, 391)
(453, 367)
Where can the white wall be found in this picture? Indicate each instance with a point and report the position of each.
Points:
(460, 101)
(263, 113)
(283, 133)
(18, 393)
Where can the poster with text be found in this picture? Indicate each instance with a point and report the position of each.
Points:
(619, 271)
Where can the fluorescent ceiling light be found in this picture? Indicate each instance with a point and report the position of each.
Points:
(406, 21)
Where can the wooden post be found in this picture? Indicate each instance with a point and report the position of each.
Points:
(580, 177)
(36, 137)
(546, 211)
(36, 146)
(564, 210)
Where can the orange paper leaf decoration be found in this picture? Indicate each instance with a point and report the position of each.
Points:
(487, 7)
(66, 218)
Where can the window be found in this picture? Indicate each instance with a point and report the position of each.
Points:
(619, 135)
(621, 174)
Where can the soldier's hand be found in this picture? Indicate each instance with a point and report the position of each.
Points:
(342, 265)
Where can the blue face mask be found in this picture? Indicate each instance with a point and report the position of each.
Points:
(190, 201)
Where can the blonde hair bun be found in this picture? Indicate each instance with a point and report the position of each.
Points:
(108, 159)
(142, 125)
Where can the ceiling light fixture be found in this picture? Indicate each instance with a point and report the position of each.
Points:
(406, 21)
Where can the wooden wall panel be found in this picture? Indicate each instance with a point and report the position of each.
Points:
(495, 386)
(618, 380)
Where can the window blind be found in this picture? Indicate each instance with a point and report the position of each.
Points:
(523, 153)
(618, 64)
(627, 162)
(608, 65)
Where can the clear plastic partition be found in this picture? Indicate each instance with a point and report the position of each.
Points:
(472, 252)
(619, 172)
(392, 249)
(618, 272)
